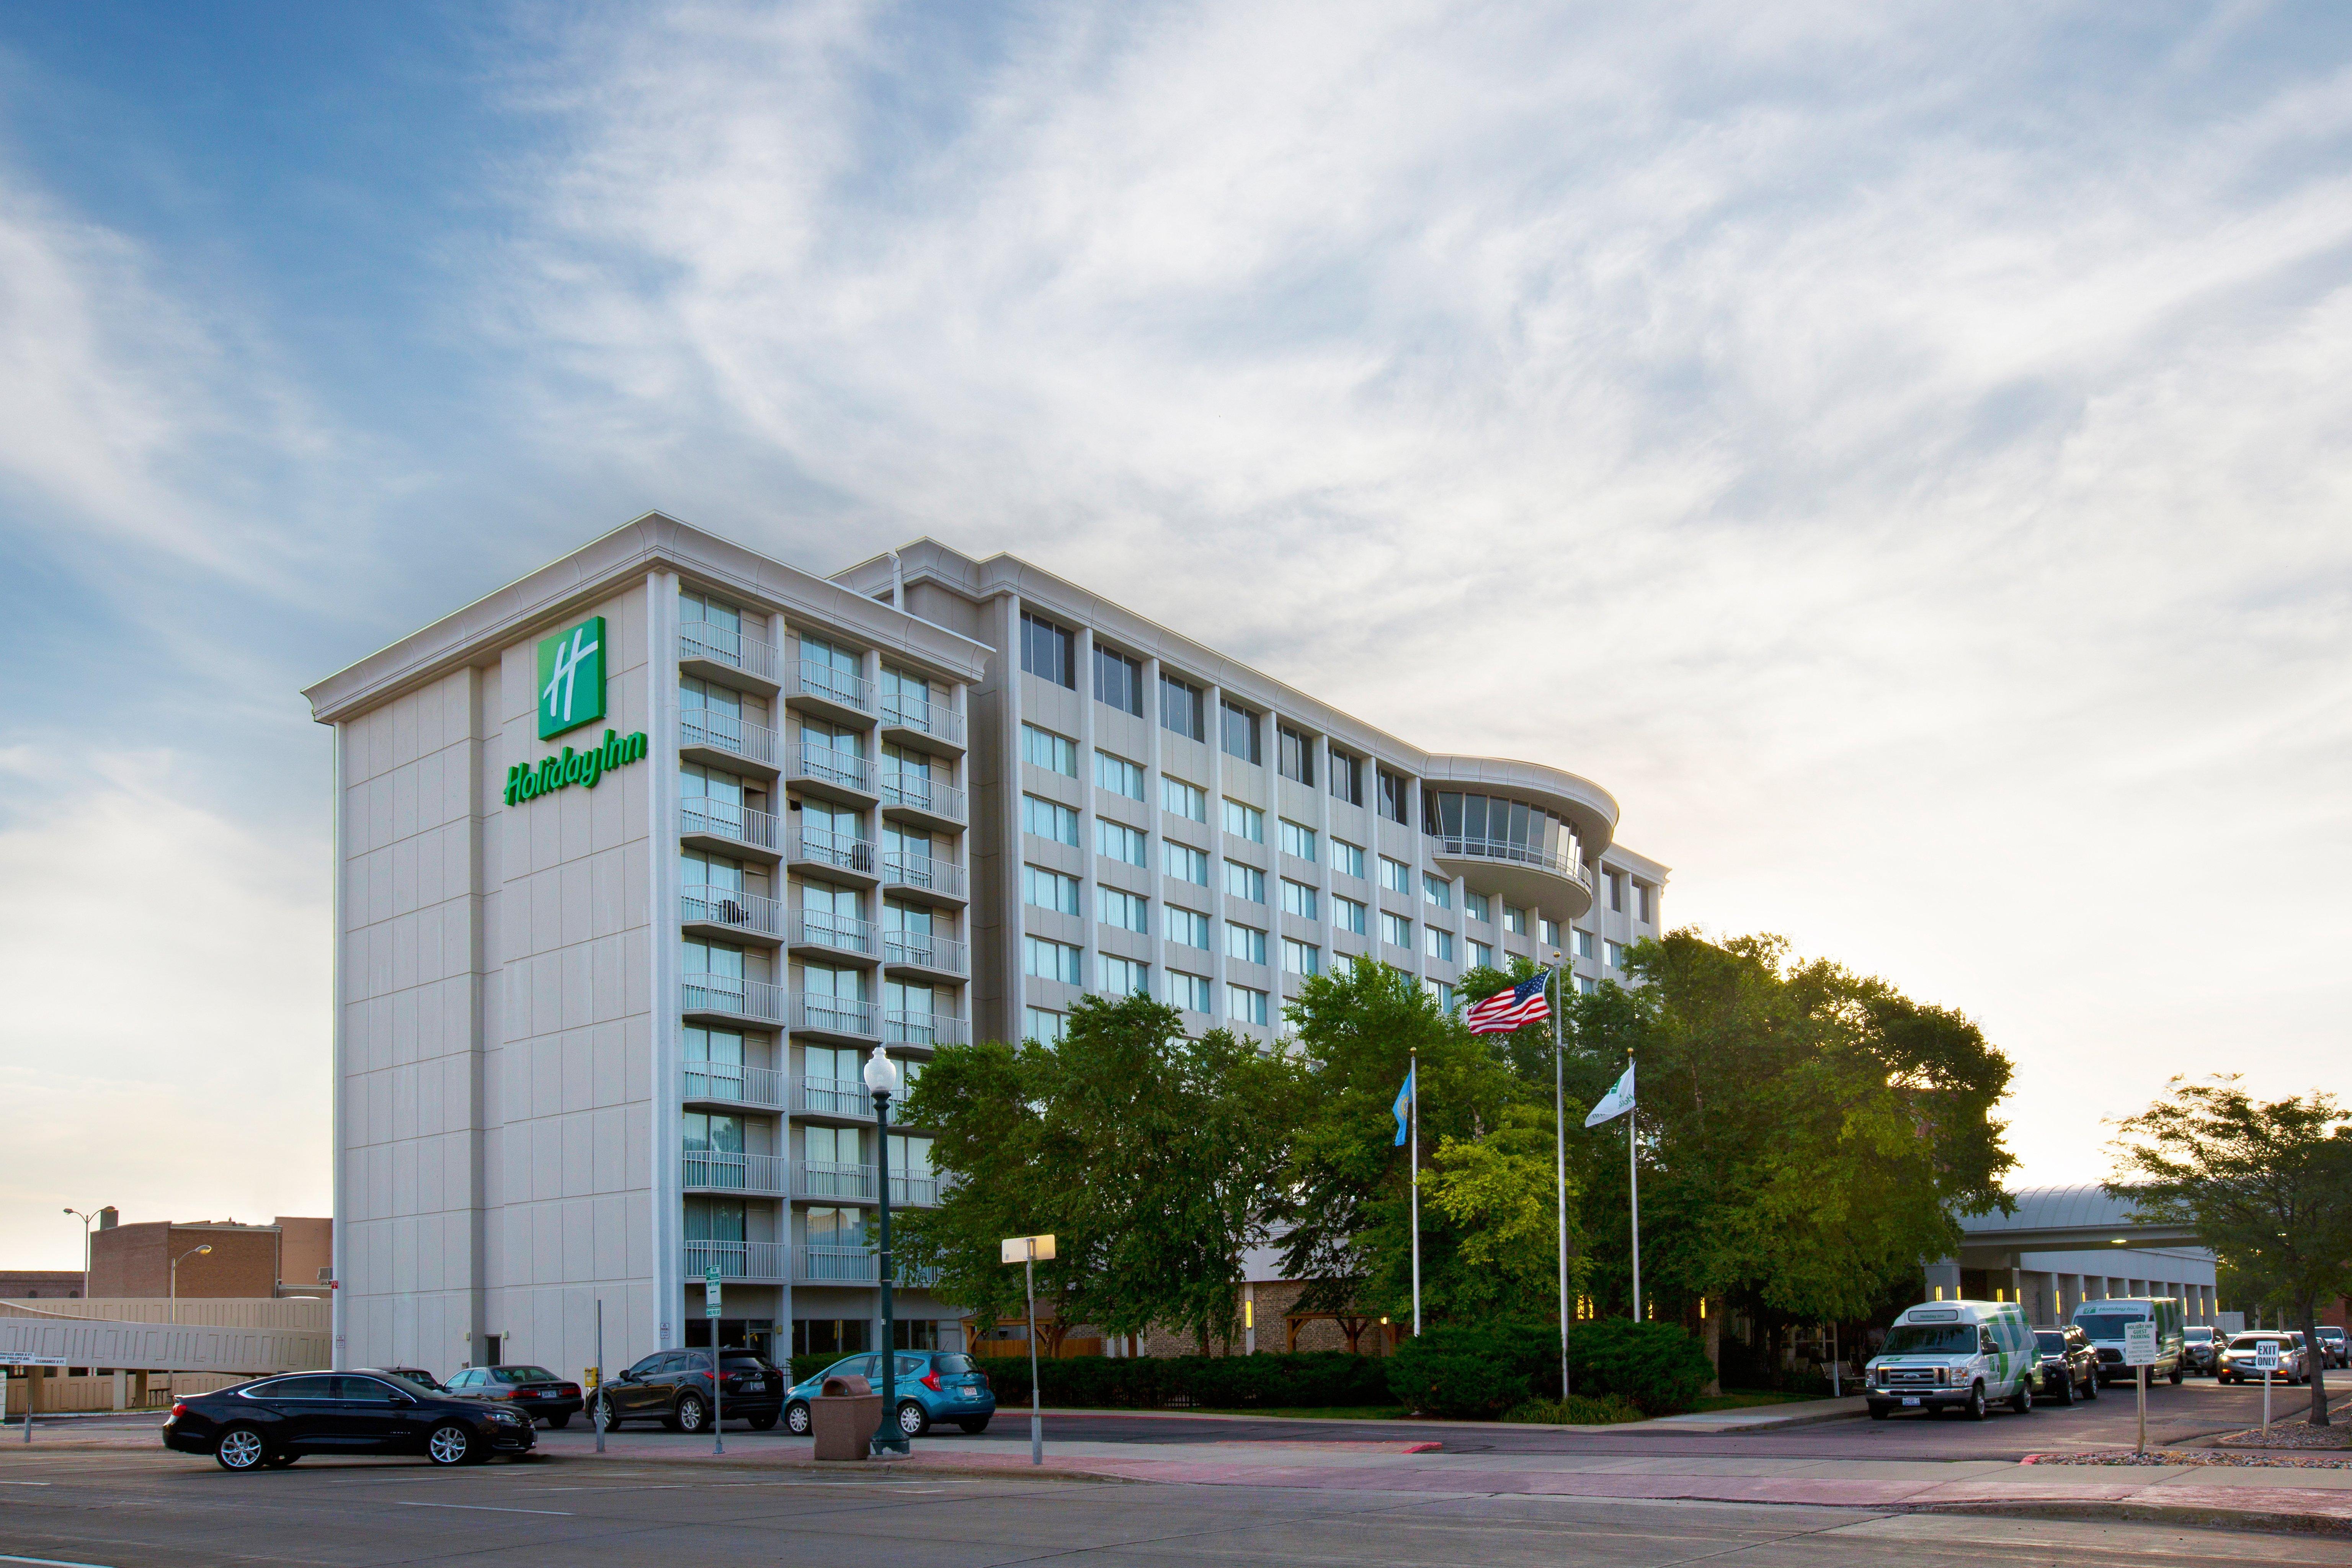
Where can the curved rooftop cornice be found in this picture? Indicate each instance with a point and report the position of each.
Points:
(1590, 809)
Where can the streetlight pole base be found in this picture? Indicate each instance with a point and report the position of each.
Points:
(896, 1448)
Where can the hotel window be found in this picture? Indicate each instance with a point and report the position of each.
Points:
(1119, 680)
(1346, 858)
(1186, 928)
(1244, 881)
(1437, 889)
(1049, 889)
(909, 699)
(1185, 863)
(1183, 708)
(1294, 755)
(1585, 945)
(1129, 911)
(1347, 914)
(1301, 957)
(1120, 842)
(1239, 733)
(830, 670)
(1642, 911)
(1044, 749)
(1612, 956)
(1394, 787)
(1348, 777)
(1044, 1026)
(1190, 992)
(1617, 892)
(1514, 920)
(1396, 876)
(1439, 942)
(1395, 930)
(1188, 800)
(1047, 960)
(1478, 906)
(1546, 932)
(1245, 822)
(1297, 840)
(1049, 652)
(1123, 976)
(693, 605)
(1119, 776)
(1049, 819)
(1299, 899)
(1244, 1005)
(1586, 985)
(1245, 942)
(1482, 956)
(1441, 993)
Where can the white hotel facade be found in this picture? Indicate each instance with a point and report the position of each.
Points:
(594, 1037)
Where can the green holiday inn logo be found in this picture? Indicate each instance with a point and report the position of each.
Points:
(571, 677)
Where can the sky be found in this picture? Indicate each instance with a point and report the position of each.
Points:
(1899, 451)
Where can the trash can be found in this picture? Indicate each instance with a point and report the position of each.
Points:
(844, 1416)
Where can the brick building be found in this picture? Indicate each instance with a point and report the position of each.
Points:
(246, 1260)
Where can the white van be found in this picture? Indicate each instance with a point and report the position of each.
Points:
(2103, 1320)
(1964, 1355)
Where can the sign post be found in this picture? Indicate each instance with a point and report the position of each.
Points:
(2266, 1357)
(2139, 1354)
(596, 1376)
(718, 1399)
(1026, 1250)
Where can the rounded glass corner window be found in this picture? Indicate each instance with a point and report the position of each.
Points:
(1493, 830)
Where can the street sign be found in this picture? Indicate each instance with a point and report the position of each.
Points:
(2266, 1355)
(2139, 1343)
(1025, 1249)
(23, 1358)
(711, 1291)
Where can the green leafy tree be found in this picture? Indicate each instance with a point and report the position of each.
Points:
(2268, 1185)
(1498, 1196)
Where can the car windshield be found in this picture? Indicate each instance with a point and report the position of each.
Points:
(1931, 1339)
(951, 1366)
(2108, 1325)
(2201, 1333)
(2248, 1342)
(2052, 1341)
(522, 1374)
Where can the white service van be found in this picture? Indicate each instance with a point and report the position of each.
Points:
(1956, 1356)
(2105, 1321)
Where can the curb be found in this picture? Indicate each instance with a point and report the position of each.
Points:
(2266, 1521)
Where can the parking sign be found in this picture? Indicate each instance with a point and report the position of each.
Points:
(711, 1291)
(2139, 1343)
(2266, 1355)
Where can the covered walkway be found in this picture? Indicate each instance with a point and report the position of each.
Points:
(2064, 1245)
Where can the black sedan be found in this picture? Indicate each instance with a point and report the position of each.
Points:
(534, 1390)
(274, 1421)
(2070, 1366)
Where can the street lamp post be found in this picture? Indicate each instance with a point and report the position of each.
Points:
(87, 1221)
(882, 1083)
(192, 1252)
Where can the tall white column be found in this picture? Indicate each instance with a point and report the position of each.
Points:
(1089, 957)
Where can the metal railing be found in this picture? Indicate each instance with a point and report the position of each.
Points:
(935, 719)
(731, 994)
(814, 927)
(1456, 846)
(823, 846)
(724, 820)
(732, 907)
(914, 1191)
(733, 1082)
(829, 765)
(727, 733)
(940, 953)
(904, 868)
(747, 1260)
(926, 1029)
(816, 1179)
(852, 1265)
(921, 792)
(733, 1172)
(812, 679)
(834, 1014)
(726, 645)
(832, 1097)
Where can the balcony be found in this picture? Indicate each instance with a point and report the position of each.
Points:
(733, 997)
(830, 770)
(727, 649)
(734, 826)
(813, 1179)
(732, 1083)
(739, 912)
(920, 950)
(926, 1029)
(828, 688)
(831, 933)
(852, 1265)
(920, 795)
(819, 1014)
(733, 739)
(923, 874)
(830, 851)
(751, 1262)
(719, 1172)
(1530, 875)
(935, 724)
(844, 1097)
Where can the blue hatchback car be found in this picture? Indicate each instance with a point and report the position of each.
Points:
(932, 1386)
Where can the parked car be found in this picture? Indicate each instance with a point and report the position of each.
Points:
(932, 1386)
(2069, 1365)
(673, 1388)
(2238, 1359)
(1963, 1355)
(534, 1390)
(273, 1421)
(2201, 1348)
(2105, 1319)
(2332, 1344)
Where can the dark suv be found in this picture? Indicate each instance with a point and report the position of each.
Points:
(2201, 1348)
(673, 1388)
(2070, 1366)
(534, 1390)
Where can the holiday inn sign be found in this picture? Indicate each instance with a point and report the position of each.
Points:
(571, 693)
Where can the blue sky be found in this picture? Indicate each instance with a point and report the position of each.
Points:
(1899, 451)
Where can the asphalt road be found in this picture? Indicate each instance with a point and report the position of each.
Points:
(152, 1508)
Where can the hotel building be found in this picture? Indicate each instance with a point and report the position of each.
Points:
(639, 856)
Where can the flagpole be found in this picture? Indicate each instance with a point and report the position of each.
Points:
(1633, 1186)
(1413, 1077)
(1560, 1159)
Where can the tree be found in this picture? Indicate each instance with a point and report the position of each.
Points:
(1499, 1196)
(2268, 1186)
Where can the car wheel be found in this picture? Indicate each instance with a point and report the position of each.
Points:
(797, 1419)
(611, 1416)
(764, 1423)
(240, 1448)
(2066, 1389)
(2177, 1375)
(2091, 1387)
(693, 1415)
(449, 1444)
(913, 1419)
(974, 1425)
(1977, 1406)
(2022, 1400)
(558, 1423)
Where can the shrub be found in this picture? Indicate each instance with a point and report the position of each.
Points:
(1468, 1373)
(1577, 1410)
(1654, 1365)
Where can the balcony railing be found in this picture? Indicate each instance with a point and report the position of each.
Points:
(814, 927)
(764, 1261)
(914, 1191)
(921, 792)
(935, 719)
(943, 954)
(732, 1172)
(724, 820)
(823, 846)
(832, 1097)
(829, 764)
(810, 679)
(834, 1014)
(734, 995)
(926, 1029)
(733, 1083)
(729, 732)
(814, 1179)
(726, 645)
(904, 868)
(1456, 846)
(852, 1265)
(732, 907)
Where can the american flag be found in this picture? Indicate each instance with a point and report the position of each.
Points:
(1505, 1011)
